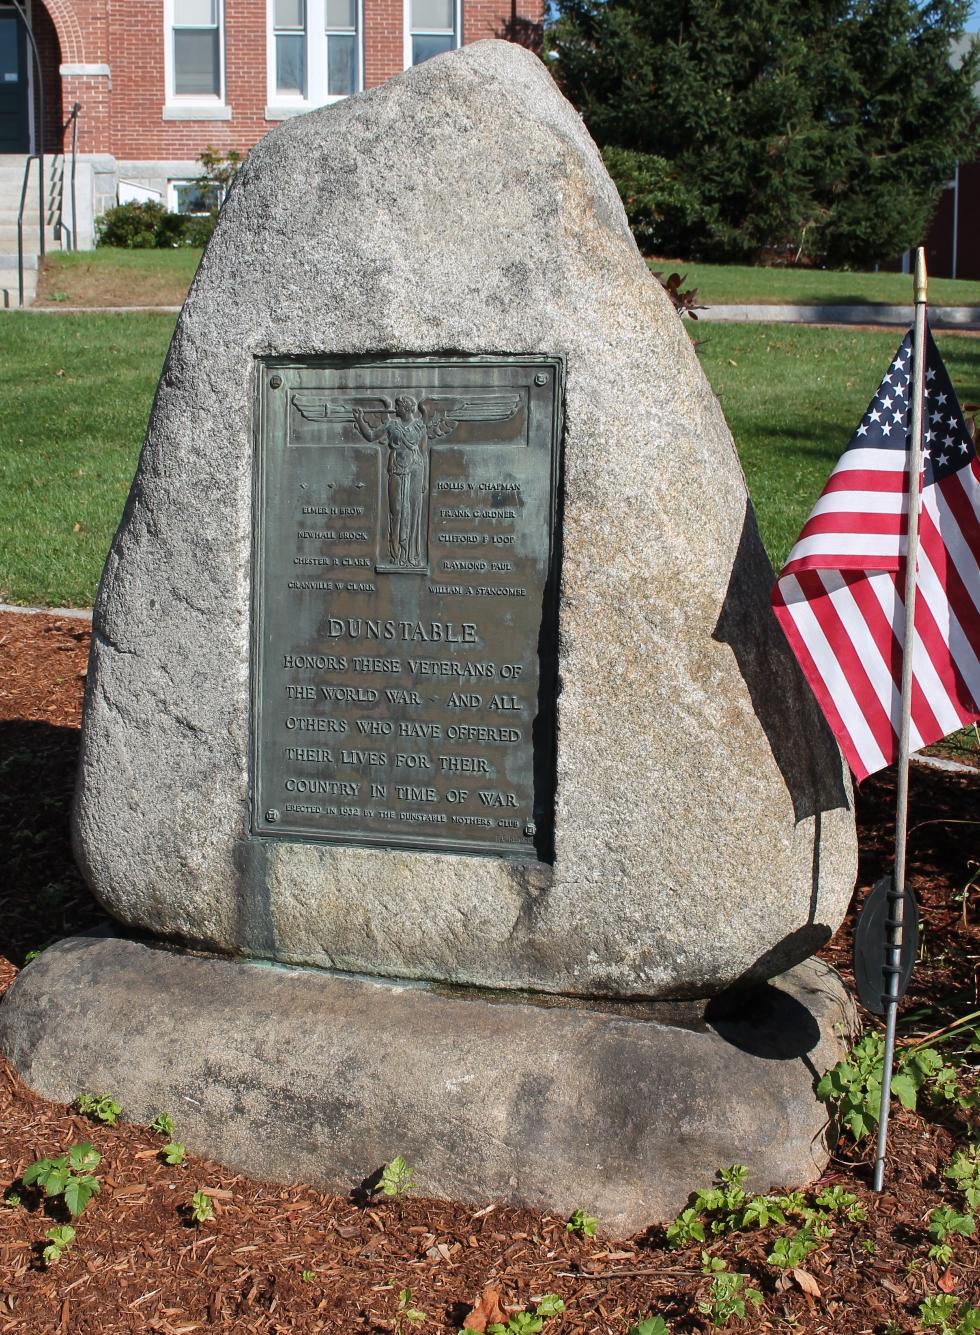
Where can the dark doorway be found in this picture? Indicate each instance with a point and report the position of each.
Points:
(15, 129)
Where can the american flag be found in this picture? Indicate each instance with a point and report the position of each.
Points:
(840, 596)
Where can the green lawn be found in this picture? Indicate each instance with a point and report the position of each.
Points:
(732, 284)
(76, 390)
(75, 394)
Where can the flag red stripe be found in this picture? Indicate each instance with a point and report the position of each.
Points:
(846, 521)
(859, 561)
(958, 594)
(864, 479)
(879, 628)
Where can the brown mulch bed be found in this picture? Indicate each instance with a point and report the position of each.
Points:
(280, 1259)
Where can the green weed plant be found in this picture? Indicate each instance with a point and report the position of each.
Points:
(952, 1316)
(101, 1107)
(59, 1239)
(583, 1224)
(726, 1208)
(528, 1322)
(397, 1177)
(964, 1172)
(945, 1223)
(649, 1325)
(201, 1208)
(729, 1296)
(788, 1253)
(70, 1176)
(405, 1314)
(852, 1089)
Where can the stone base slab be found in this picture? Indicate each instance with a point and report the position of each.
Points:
(297, 1075)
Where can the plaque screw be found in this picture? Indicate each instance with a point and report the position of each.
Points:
(541, 378)
(530, 829)
(272, 816)
(275, 382)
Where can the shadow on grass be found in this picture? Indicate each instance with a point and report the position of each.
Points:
(842, 299)
(43, 897)
(964, 352)
(825, 444)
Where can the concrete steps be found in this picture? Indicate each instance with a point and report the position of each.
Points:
(12, 170)
(8, 236)
(9, 285)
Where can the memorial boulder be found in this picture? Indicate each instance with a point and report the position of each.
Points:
(435, 498)
(434, 647)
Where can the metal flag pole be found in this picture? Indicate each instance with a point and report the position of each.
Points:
(896, 897)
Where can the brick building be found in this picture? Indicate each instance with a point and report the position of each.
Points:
(156, 81)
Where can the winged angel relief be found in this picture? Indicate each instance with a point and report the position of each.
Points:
(406, 427)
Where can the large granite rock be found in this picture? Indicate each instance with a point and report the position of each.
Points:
(703, 831)
(298, 1075)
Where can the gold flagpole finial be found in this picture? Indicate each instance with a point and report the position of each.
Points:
(921, 280)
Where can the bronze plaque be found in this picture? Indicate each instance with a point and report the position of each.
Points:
(403, 623)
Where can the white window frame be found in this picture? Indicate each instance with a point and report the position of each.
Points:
(282, 105)
(172, 200)
(189, 106)
(409, 31)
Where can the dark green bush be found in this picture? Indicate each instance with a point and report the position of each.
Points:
(199, 228)
(132, 226)
(150, 227)
(171, 231)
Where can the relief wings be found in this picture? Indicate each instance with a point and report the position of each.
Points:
(440, 415)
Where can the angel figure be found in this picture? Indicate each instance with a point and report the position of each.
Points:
(406, 436)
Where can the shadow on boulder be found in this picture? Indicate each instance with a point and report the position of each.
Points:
(802, 744)
(764, 1021)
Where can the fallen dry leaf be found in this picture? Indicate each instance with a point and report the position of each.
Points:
(946, 1281)
(807, 1283)
(487, 1312)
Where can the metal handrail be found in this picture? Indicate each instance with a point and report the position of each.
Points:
(31, 157)
(58, 183)
(73, 117)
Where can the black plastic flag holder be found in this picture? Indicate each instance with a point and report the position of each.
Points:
(877, 978)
